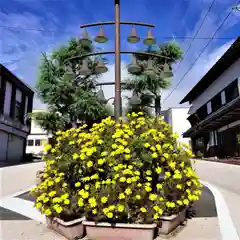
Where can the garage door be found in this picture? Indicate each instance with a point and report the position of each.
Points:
(3, 146)
(15, 149)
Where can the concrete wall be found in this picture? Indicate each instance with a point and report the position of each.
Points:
(223, 81)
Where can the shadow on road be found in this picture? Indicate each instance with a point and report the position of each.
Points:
(205, 207)
(6, 214)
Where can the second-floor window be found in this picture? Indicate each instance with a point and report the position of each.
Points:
(18, 110)
(223, 97)
(232, 91)
(216, 102)
(209, 107)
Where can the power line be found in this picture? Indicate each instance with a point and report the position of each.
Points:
(164, 37)
(196, 33)
(225, 19)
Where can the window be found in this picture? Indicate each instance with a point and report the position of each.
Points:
(18, 110)
(216, 102)
(38, 142)
(232, 91)
(209, 107)
(223, 97)
(30, 142)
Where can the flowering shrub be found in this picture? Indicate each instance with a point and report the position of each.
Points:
(130, 171)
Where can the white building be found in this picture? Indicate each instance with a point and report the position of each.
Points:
(36, 138)
(177, 118)
(215, 108)
(16, 101)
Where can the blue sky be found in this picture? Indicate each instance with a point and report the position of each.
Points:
(29, 27)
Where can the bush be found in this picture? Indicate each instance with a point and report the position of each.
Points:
(130, 171)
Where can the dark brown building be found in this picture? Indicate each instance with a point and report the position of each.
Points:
(215, 108)
(16, 101)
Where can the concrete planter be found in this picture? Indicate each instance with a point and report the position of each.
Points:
(169, 223)
(119, 231)
(72, 230)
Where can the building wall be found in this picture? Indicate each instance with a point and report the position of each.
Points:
(223, 81)
(15, 102)
(177, 118)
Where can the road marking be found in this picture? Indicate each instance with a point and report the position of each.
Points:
(227, 228)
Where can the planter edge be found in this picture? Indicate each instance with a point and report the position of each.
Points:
(69, 223)
(120, 225)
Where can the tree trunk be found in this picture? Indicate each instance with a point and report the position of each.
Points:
(158, 105)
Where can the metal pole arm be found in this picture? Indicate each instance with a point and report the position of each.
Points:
(122, 23)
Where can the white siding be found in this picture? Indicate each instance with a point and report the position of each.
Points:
(223, 81)
(7, 99)
(180, 124)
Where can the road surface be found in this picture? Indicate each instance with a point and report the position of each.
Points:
(226, 178)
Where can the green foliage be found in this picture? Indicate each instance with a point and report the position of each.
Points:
(131, 171)
(152, 86)
(71, 96)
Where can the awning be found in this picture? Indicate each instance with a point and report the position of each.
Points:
(223, 116)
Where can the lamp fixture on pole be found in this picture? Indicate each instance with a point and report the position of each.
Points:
(167, 71)
(135, 99)
(101, 68)
(84, 70)
(134, 67)
(133, 38)
(150, 69)
(150, 40)
(85, 40)
(101, 38)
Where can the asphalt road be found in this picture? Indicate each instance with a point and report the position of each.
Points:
(226, 178)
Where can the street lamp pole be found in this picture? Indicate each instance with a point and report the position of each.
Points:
(117, 107)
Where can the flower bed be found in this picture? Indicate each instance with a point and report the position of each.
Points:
(132, 171)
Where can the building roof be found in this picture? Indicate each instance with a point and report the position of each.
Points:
(228, 58)
(15, 80)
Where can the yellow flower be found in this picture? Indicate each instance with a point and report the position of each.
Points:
(75, 156)
(57, 180)
(129, 180)
(38, 205)
(166, 155)
(138, 197)
(161, 199)
(121, 196)
(186, 202)
(146, 145)
(48, 212)
(148, 172)
(139, 185)
(122, 179)
(143, 210)
(110, 215)
(80, 202)
(179, 186)
(127, 156)
(105, 210)
(149, 179)
(179, 202)
(103, 154)
(148, 189)
(94, 211)
(100, 141)
(85, 194)
(92, 202)
(120, 208)
(52, 193)
(89, 164)
(154, 155)
(159, 186)
(66, 201)
(167, 174)
(104, 199)
(158, 170)
(77, 184)
(156, 216)
(128, 191)
(170, 204)
(127, 150)
(152, 197)
(58, 208)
